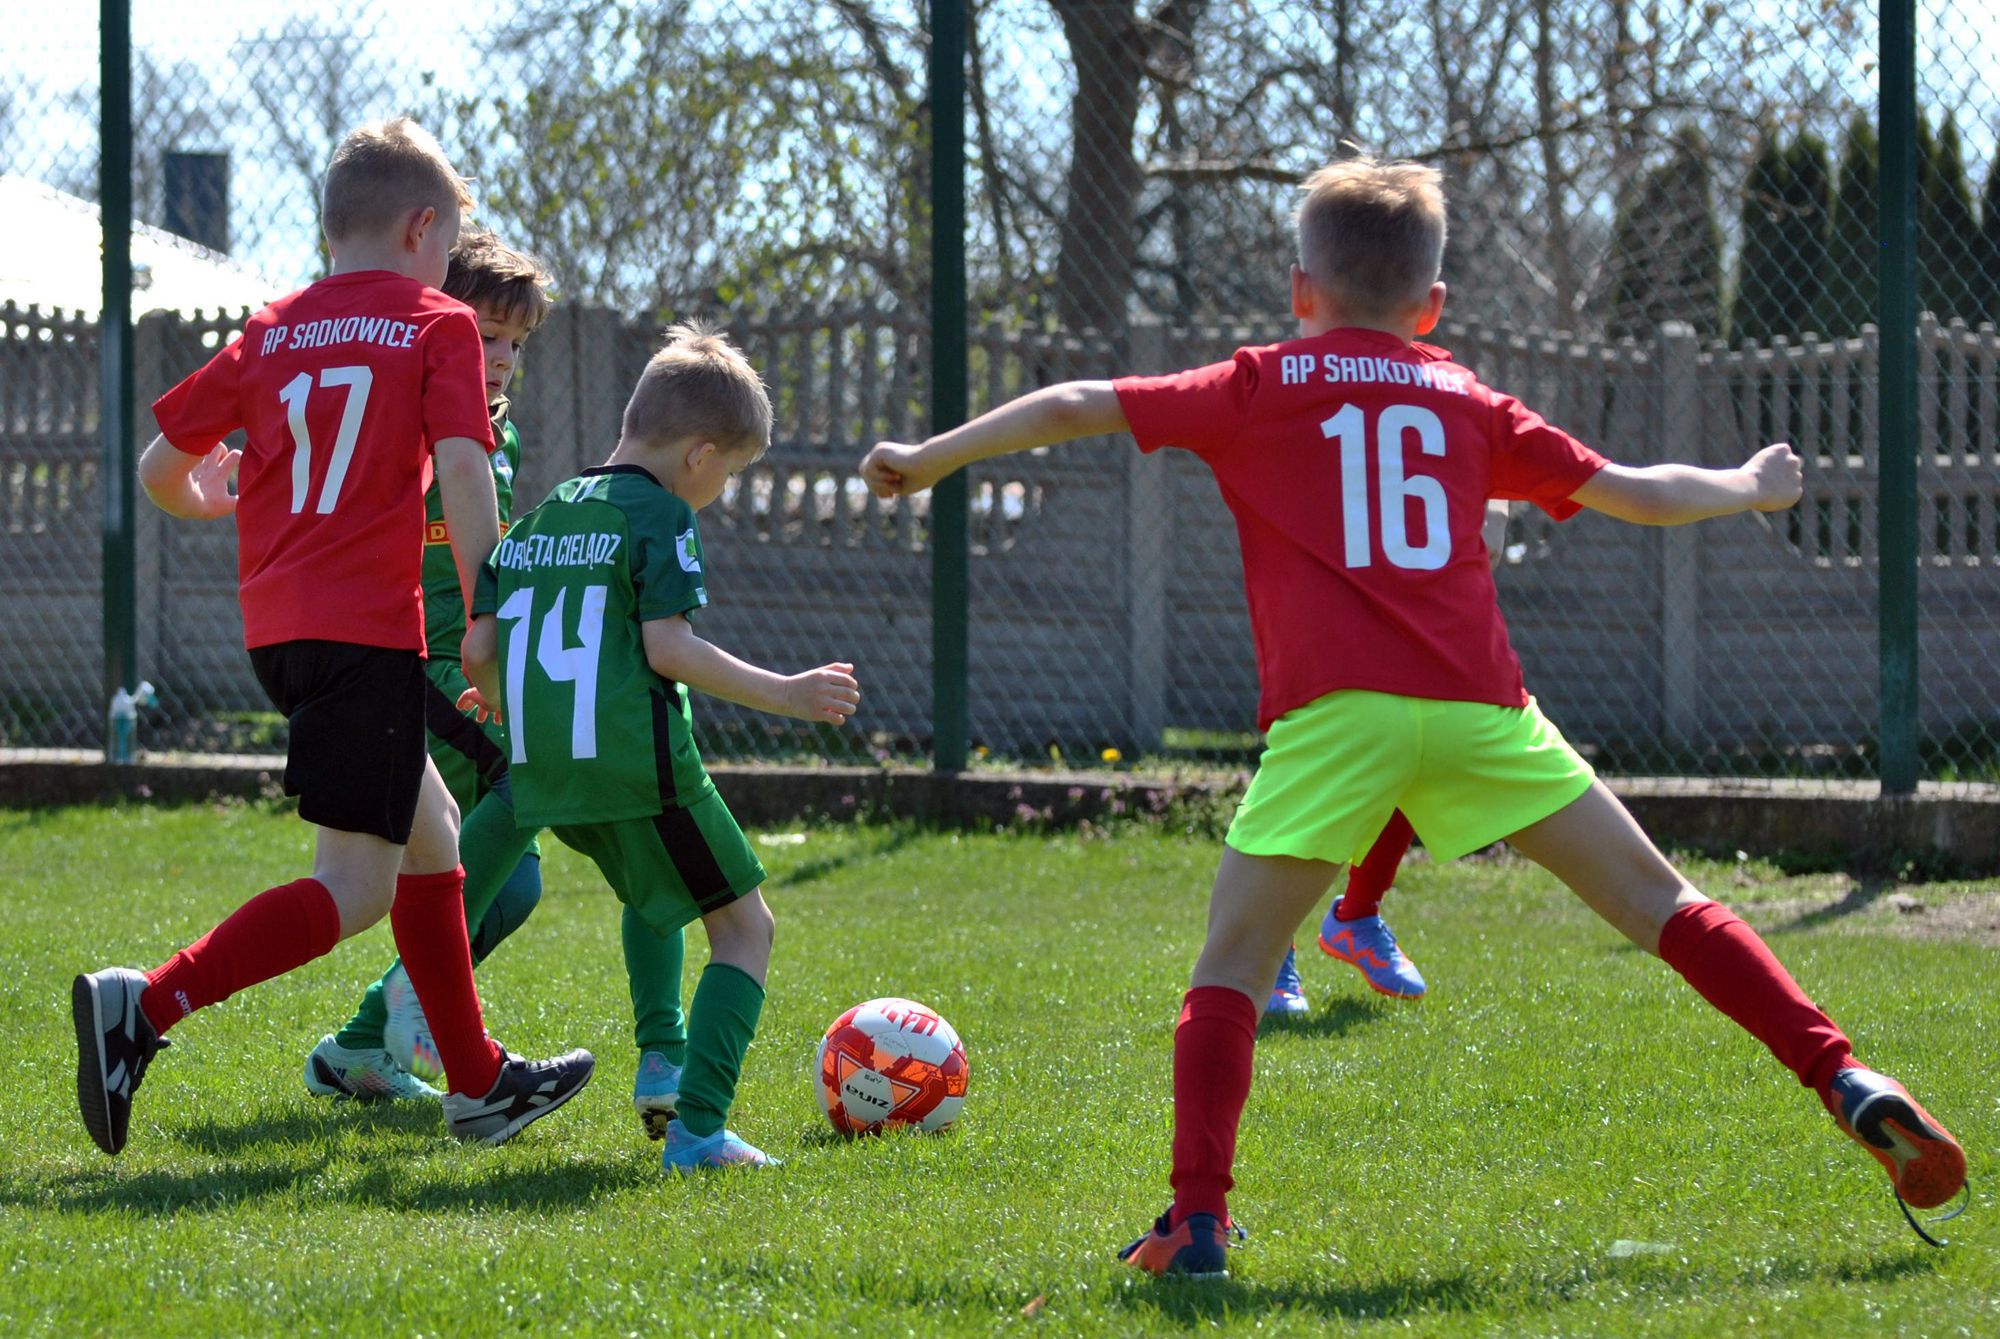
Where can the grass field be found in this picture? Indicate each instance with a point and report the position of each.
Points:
(1562, 1140)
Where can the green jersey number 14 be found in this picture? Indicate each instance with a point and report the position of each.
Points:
(560, 662)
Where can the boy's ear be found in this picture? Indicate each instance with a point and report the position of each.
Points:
(1433, 308)
(420, 222)
(1302, 293)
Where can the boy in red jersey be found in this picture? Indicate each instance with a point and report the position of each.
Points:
(344, 391)
(1353, 929)
(1357, 463)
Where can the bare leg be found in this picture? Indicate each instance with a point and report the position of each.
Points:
(1595, 847)
(359, 869)
(1253, 911)
(740, 935)
(1257, 904)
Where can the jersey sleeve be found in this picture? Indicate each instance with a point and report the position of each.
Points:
(1200, 410)
(666, 564)
(454, 403)
(1534, 461)
(207, 406)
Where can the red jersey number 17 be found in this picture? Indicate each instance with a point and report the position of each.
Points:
(1350, 427)
(356, 380)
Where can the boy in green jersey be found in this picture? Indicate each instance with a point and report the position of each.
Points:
(385, 1050)
(581, 636)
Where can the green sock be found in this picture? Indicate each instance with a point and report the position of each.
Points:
(653, 966)
(721, 1023)
(489, 846)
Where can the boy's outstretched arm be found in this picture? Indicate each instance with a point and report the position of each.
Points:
(471, 507)
(1771, 480)
(190, 487)
(1053, 414)
(828, 693)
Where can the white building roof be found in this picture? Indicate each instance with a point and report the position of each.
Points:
(52, 255)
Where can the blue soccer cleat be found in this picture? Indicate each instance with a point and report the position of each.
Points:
(686, 1153)
(656, 1093)
(1370, 945)
(1288, 996)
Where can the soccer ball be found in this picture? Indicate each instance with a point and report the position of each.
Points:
(406, 1034)
(890, 1062)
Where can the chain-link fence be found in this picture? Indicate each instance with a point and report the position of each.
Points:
(1665, 229)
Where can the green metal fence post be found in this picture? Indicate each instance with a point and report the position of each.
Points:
(1896, 449)
(114, 346)
(950, 577)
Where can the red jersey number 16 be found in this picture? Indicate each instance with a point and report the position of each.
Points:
(357, 380)
(1350, 427)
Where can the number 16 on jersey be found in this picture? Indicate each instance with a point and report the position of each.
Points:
(1350, 428)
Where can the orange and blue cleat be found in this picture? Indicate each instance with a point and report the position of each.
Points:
(1925, 1164)
(1197, 1249)
(1368, 943)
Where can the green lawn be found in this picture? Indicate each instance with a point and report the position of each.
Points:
(1467, 1165)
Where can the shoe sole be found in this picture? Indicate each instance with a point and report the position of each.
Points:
(703, 1168)
(522, 1122)
(1337, 956)
(656, 1117)
(1130, 1253)
(92, 1098)
(1926, 1165)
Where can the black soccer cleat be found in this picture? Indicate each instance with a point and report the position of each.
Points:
(115, 1041)
(524, 1092)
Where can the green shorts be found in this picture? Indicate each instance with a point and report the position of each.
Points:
(1465, 774)
(467, 753)
(674, 867)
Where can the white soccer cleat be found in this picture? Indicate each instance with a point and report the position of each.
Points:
(366, 1076)
(406, 1034)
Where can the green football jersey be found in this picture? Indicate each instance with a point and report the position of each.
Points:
(444, 605)
(596, 736)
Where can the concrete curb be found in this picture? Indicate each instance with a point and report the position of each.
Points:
(1843, 823)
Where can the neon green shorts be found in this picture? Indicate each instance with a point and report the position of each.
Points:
(1465, 774)
(675, 867)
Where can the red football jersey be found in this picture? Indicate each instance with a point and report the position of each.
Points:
(342, 389)
(1358, 468)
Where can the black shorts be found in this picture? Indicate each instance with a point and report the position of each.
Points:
(357, 723)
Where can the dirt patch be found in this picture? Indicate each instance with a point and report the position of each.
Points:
(1929, 911)
(1973, 918)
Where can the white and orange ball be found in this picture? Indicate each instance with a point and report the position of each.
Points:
(891, 1062)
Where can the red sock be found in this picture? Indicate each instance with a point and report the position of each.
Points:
(1213, 1045)
(1726, 962)
(275, 931)
(428, 918)
(1367, 881)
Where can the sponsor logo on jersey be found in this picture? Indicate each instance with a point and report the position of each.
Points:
(435, 533)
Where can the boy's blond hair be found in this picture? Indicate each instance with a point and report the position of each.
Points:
(1371, 234)
(699, 385)
(383, 171)
(487, 273)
